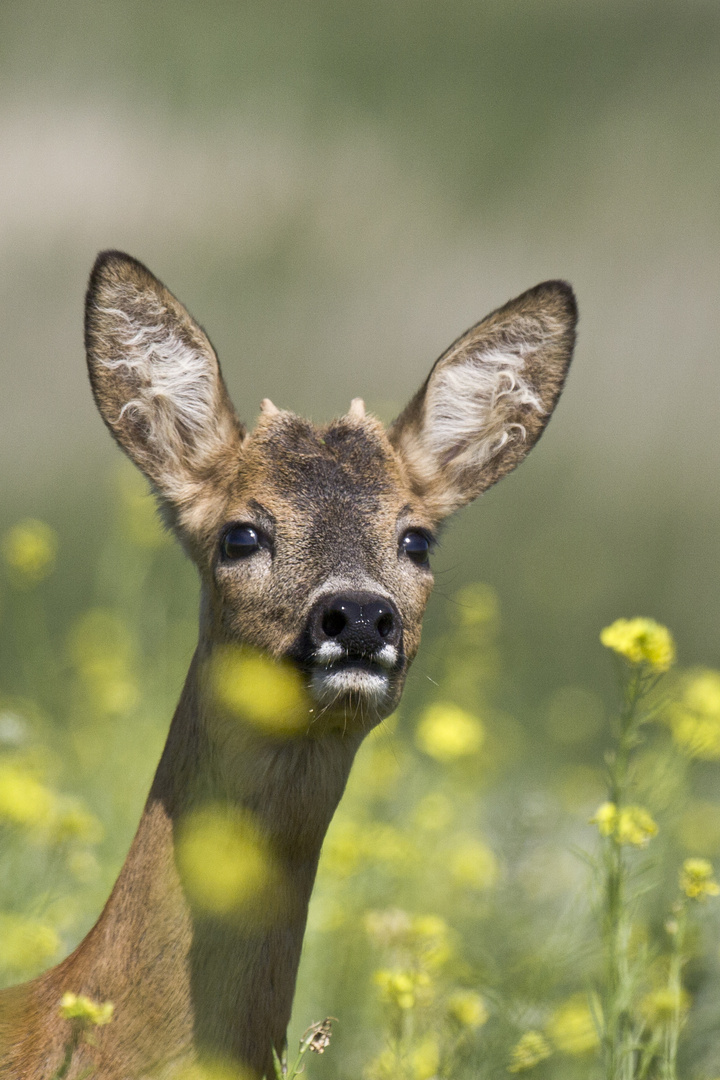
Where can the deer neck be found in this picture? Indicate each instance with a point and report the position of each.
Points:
(231, 979)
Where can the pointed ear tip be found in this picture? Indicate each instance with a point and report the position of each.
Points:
(112, 263)
(560, 290)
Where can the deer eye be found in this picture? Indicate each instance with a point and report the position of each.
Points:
(240, 541)
(416, 545)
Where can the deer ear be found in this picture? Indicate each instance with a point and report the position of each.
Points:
(155, 377)
(488, 398)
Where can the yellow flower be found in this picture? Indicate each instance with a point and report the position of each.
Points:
(661, 1004)
(605, 817)
(74, 822)
(635, 826)
(476, 604)
(421, 1062)
(473, 864)
(423, 940)
(402, 987)
(572, 1028)
(429, 940)
(468, 1009)
(23, 799)
(447, 733)
(642, 642)
(630, 825)
(30, 548)
(87, 1012)
(224, 861)
(695, 717)
(25, 944)
(529, 1052)
(266, 693)
(351, 845)
(696, 879)
(102, 650)
(425, 1059)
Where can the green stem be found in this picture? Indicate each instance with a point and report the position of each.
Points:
(674, 1024)
(70, 1048)
(618, 1043)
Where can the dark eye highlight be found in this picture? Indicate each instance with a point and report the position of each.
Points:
(240, 541)
(416, 545)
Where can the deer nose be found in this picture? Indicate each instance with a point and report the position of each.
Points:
(361, 624)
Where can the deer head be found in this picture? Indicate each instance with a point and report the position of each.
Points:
(313, 543)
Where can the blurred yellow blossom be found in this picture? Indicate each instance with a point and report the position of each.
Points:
(694, 716)
(425, 1058)
(476, 604)
(267, 693)
(102, 650)
(25, 944)
(23, 799)
(642, 642)
(697, 881)
(73, 821)
(224, 861)
(403, 987)
(572, 1028)
(635, 826)
(85, 1010)
(531, 1049)
(421, 939)
(430, 940)
(630, 825)
(352, 845)
(29, 548)
(447, 732)
(605, 817)
(473, 864)
(661, 1004)
(468, 1009)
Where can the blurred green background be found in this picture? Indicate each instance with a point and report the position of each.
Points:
(336, 191)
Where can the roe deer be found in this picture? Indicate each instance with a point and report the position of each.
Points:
(312, 549)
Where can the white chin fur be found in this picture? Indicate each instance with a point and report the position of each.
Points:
(329, 686)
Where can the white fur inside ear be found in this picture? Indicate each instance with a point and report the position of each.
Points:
(176, 379)
(471, 406)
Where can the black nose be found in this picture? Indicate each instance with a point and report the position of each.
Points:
(360, 622)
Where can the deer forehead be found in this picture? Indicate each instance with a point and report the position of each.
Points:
(326, 480)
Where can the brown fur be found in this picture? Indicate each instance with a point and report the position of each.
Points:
(333, 504)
